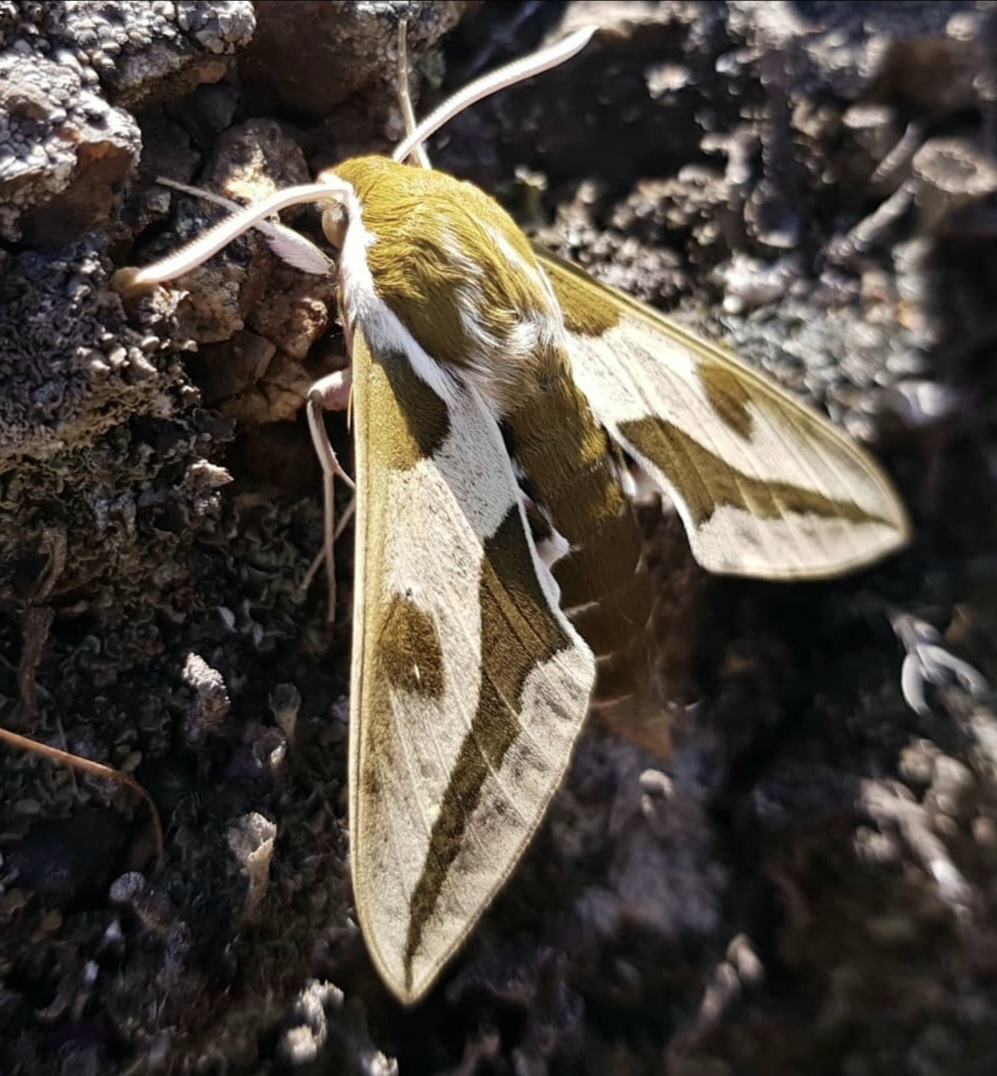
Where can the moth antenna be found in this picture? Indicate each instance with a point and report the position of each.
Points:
(215, 239)
(419, 155)
(203, 193)
(345, 518)
(286, 243)
(506, 76)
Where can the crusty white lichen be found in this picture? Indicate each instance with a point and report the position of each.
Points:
(52, 127)
(67, 74)
(71, 367)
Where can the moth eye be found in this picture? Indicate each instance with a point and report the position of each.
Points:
(334, 223)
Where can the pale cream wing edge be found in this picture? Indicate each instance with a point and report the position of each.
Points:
(469, 685)
(766, 486)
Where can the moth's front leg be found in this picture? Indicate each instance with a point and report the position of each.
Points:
(330, 393)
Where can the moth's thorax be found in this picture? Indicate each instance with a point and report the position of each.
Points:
(455, 270)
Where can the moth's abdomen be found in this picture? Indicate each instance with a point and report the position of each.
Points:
(605, 589)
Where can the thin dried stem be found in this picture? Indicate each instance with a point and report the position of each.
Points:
(419, 154)
(98, 769)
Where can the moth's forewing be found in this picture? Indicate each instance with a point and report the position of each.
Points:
(764, 485)
(469, 684)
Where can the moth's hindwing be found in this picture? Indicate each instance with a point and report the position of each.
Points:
(765, 486)
(469, 684)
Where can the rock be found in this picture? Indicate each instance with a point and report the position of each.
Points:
(350, 47)
(69, 75)
(62, 862)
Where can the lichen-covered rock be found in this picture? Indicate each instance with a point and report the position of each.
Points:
(71, 365)
(63, 151)
(922, 53)
(71, 75)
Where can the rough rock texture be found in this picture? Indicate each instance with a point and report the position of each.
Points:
(805, 885)
(69, 74)
(352, 47)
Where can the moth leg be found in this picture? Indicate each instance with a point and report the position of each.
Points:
(331, 393)
(418, 155)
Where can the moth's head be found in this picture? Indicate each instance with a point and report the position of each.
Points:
(374, 188)
(335, 212)
(350, 183)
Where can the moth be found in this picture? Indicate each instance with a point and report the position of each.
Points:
(506, 410)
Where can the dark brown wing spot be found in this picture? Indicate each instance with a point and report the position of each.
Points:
(587, 309)
(728, 396)
(408, 649)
